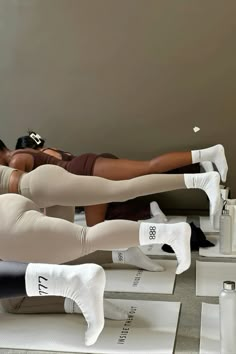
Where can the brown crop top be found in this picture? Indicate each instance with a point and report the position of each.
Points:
(79, 165)
(40, 158)
(65, 156)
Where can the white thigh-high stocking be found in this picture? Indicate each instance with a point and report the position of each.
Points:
(175, 235)
(84, 284)
(209, 182)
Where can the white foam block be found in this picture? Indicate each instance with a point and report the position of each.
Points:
(151, 328)
(141, 281)
(210, 334)
(211, 275)
(214, 251)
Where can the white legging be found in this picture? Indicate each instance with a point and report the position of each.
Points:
(50, 185)
(26, 235)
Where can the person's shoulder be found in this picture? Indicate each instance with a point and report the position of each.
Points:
(24, 151)
(21, 160)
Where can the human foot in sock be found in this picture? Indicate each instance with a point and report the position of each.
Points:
(176, 235)
(134, 256)
(215, 154)
(157, 212)
(209, 182)
(111, 311)
(84, 284)
(207, 166)
(198, 239)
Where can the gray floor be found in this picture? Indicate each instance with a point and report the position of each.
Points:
(188, 334)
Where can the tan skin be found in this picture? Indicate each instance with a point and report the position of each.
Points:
(52, 152)
(114, 169)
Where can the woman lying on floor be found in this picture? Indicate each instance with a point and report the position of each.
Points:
(50, 185)
(111, 167)
(26, 235)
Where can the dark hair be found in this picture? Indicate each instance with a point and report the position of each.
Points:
(2, 146)
(28, 141)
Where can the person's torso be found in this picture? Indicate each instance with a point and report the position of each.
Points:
(63, 155)
(40, 158)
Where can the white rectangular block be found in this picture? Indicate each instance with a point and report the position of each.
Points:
(214, 251)
(142, 281)
(211, 275)
(150, 329)
(210, 334)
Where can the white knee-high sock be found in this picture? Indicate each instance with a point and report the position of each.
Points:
(134, 256)
(176, 235)
(111, 311)
(83, 284)
(209, 182)
(215, 154)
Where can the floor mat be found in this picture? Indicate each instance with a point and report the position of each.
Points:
(214, 251)
(151, 328)
(210, 334)
(142, 281)
(211, 275)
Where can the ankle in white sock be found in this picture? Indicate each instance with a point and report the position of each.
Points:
(207, 166)
(215, 154)
(111, 311)
(134, 256)
(156, 211)
(209, 182)
(176, 235)
(83, 284)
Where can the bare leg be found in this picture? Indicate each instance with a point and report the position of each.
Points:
(117, 169)
(95, 214)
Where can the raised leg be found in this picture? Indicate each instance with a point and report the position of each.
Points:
(28, 236)
(117, 169)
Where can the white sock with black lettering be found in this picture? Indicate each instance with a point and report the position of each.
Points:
(175, 235)
(209, 182)
(134, 256)
(83, 284)
(111, 311)
(215, 154)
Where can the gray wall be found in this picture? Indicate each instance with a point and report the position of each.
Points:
(132, 77)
